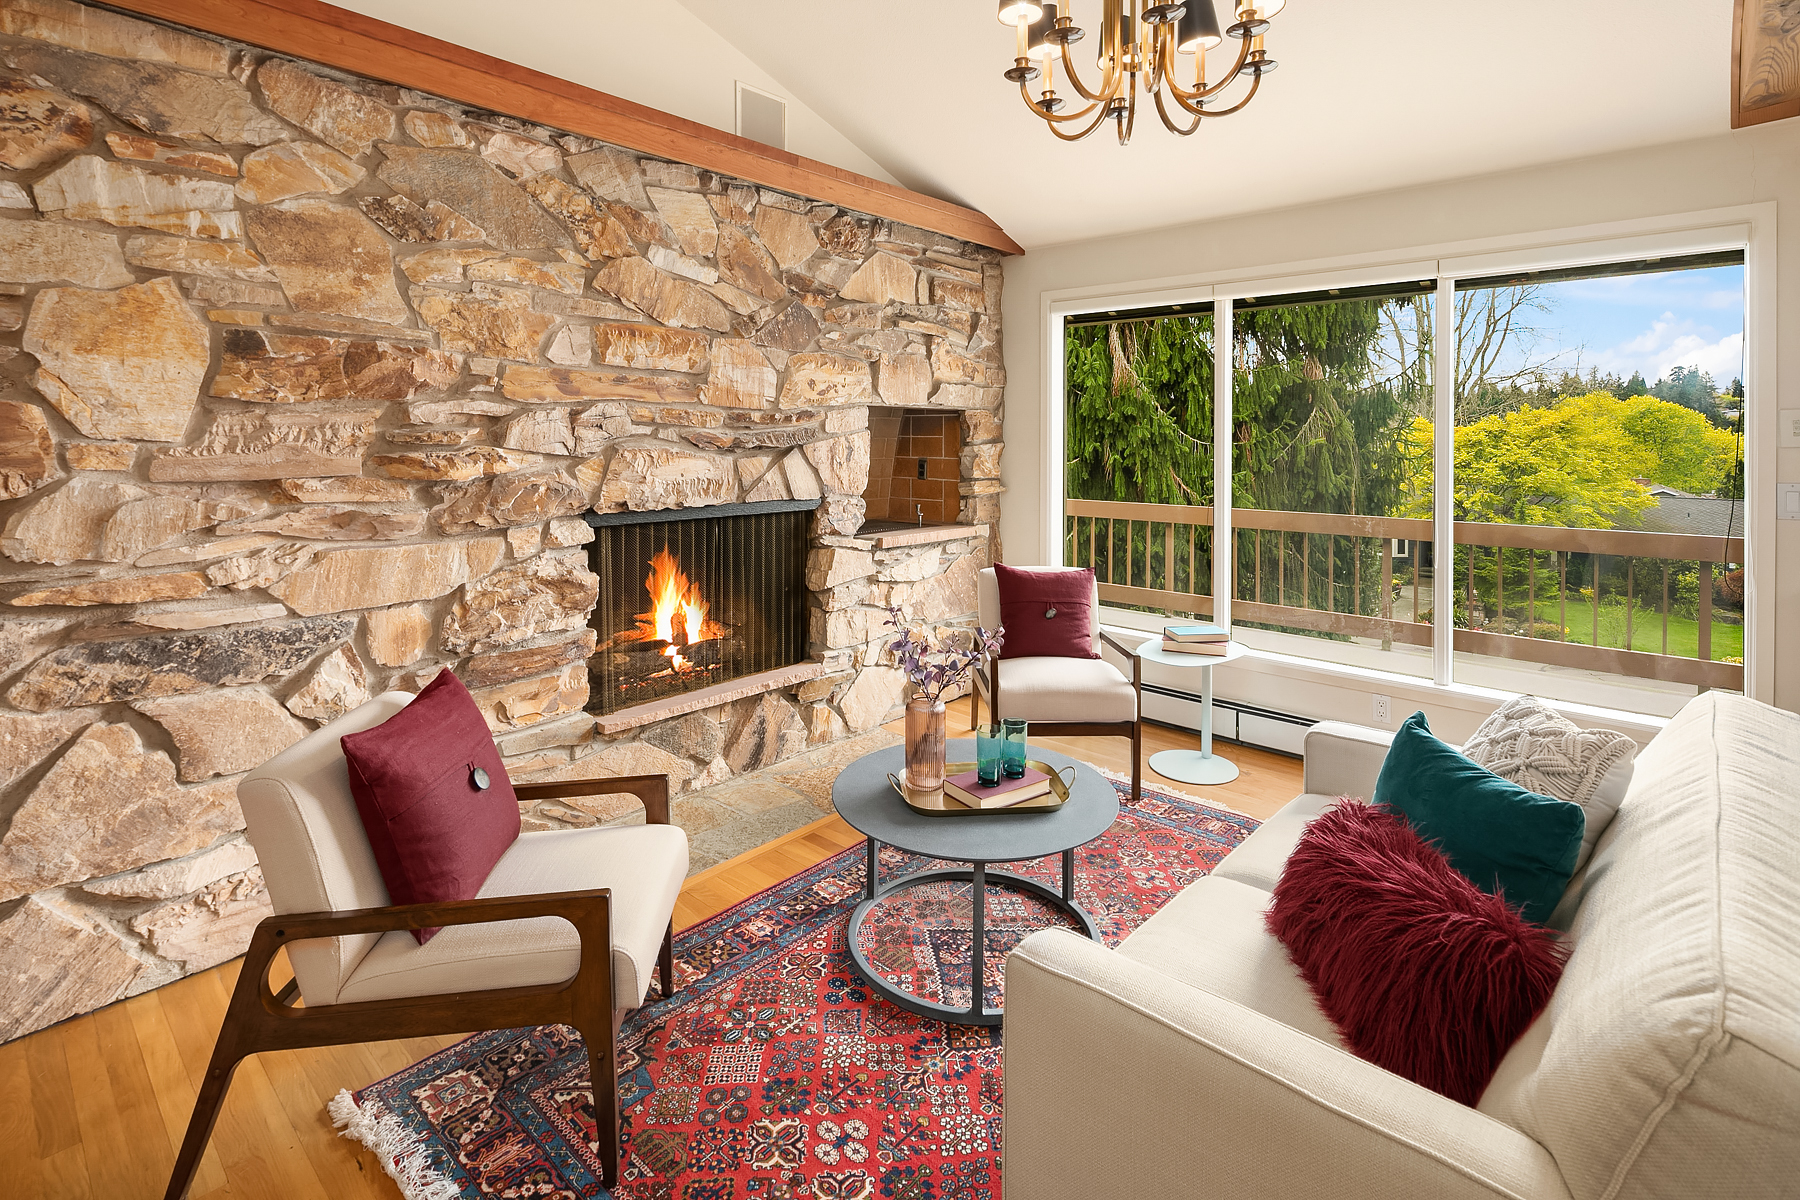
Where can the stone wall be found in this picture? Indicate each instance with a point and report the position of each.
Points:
(304, 384)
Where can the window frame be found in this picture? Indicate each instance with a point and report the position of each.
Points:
(1749, 228)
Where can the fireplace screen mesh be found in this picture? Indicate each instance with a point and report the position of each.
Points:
(692, 601)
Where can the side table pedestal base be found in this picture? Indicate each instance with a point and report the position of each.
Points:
(1191, 766)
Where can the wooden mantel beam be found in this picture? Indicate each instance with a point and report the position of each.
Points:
(349, 41)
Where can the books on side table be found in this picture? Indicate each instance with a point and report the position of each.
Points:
(1197, 639)
(967, 789)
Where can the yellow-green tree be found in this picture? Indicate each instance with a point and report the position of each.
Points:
(1576, 462)
(1672, 444)
(1539, 466)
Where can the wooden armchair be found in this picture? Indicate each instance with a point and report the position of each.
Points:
(568, 929)
(1068, 697)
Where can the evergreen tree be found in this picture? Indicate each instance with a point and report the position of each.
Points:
(1140, 411)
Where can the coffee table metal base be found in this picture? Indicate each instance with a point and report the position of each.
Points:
(977, 874)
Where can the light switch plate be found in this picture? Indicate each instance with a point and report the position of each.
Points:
(1787, 501)
(1789, 434)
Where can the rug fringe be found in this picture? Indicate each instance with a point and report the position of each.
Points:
(1165, 789)
(403, 1154)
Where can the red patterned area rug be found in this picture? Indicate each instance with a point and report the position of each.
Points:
(773, 1074)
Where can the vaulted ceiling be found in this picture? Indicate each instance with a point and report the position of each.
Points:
(1370, 95)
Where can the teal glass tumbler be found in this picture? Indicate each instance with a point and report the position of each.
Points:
(990, 741)
(1012, 754)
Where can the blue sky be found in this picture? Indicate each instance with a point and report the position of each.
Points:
(1646, 323)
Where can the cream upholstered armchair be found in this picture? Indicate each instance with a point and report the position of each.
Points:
(1072, 697)
(568, 928)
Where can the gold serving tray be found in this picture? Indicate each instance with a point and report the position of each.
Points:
(936, 803)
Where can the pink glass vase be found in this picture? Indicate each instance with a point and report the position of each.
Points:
(924, 744)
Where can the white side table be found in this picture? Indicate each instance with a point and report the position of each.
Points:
(1202, 765)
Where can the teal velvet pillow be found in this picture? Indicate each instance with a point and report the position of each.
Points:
(1508, 841)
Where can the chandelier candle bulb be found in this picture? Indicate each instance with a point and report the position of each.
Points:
(1019, 12)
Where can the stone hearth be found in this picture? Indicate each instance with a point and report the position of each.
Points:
(305, 383)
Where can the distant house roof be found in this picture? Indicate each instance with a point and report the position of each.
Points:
(1677, 511)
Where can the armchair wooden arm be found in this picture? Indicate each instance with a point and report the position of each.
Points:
(1130, 652)
(653, 790)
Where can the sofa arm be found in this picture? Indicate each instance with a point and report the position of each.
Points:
(1124, 1082)
(1344, 759)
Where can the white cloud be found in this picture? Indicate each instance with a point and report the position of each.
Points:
(1671, 342)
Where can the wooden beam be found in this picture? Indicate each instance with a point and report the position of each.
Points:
(348, 41)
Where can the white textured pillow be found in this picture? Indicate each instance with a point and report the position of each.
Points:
(1543, 751)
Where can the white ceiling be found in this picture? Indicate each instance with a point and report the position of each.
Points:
(1370, 95)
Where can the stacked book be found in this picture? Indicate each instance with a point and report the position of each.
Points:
(967, 789)
(1197, 639)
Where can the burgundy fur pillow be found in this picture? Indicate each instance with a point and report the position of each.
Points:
(433, 797)
(1422, 972)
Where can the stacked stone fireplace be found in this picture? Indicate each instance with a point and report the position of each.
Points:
(309, 388)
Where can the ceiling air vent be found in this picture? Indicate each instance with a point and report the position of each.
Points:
(761, 117)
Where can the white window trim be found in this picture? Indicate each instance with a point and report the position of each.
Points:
(1750, 227)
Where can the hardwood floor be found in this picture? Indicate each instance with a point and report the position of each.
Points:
(96, 1106)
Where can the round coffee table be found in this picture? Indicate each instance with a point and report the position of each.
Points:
(865, 799)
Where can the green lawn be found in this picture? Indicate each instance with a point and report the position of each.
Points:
(1646, 629)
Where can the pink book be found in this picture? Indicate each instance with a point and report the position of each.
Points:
(968, 788)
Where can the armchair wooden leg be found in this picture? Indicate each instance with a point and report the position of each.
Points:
(237, 1041)
(665, 962)
(603, 1078)
(1137, 760)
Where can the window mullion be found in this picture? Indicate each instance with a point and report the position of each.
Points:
(1224, 554)
(1443, 484)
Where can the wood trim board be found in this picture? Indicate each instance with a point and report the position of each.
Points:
(1741, 116)
(348, 41)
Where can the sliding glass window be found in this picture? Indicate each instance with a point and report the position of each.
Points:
(1596, 498)
(1331, 475)
(1599, 478)
(1138, 441)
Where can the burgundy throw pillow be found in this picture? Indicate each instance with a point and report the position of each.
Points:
(418, 782)
(1048, 612)
(1422, 972)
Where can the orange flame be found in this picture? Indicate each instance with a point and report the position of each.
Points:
(673, 600)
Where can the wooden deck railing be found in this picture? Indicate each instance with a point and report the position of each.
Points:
(1159, 556)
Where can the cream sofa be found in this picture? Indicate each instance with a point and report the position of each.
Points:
(1192, 1061)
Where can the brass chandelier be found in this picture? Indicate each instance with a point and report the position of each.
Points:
(1137, 39)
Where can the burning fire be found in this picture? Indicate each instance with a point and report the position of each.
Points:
(677, 613)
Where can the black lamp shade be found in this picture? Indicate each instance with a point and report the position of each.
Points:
(1198, 29)
(1038, 36)
(1019, 12)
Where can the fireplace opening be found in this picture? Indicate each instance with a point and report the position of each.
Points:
(695, 597)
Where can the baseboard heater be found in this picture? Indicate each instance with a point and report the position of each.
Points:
(1238, 711)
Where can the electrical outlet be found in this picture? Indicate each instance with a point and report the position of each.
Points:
(1787, 501)
(1383, 709)
(1788, 428)
(922, 465)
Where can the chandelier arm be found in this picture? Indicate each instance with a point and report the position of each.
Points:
(1109, 80)
(1058, 118)
(1163, 112)
(1184, 95)
(1076, 137)
(1125, 130)
(1226, 112)
(1154, 76)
